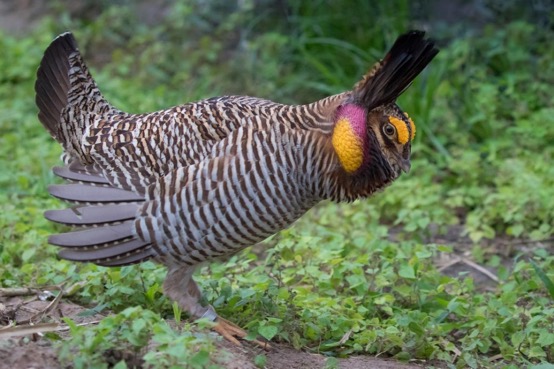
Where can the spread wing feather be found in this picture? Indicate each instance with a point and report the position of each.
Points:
(106, 235)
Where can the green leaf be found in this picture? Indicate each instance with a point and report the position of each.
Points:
(517, 338)
(537, 351)
(331, 363)
(268, 331)
(176, 312)
(416, 328)
(406, 271)
(260, 361)
(542, 366)
(546, 338)
(28, 254)
(138, 325)
(121, 365)
(544, 278)
(93, 311)
(200, 359)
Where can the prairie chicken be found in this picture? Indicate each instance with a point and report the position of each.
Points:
(201, 181)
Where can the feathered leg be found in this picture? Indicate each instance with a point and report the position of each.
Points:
(181, 288)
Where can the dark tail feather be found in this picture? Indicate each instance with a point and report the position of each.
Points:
(112, 254)
(138, 256)
(94, 236)
(106, 235)
(53, 84)
(93, 215)
(82, 193)
(63, 85)
(409, 55)
(79, 176)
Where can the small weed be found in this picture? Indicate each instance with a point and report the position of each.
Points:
(138, 338)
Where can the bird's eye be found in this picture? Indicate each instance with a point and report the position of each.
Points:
(388, 129)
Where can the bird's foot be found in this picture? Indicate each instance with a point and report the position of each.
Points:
(230, 331)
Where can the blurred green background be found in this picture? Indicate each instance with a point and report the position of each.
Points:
(482, 179)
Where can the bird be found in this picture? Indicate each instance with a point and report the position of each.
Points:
(198, 182)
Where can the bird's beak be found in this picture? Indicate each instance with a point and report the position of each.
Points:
(405, 165)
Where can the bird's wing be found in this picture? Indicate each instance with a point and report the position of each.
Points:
(133, 153)
(156, 143)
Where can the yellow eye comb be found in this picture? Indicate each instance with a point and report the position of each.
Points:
(412, 125)
(401, 129)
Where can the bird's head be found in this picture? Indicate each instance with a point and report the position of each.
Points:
(372, 136)
(376, 140)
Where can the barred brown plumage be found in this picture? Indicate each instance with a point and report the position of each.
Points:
(200, 181)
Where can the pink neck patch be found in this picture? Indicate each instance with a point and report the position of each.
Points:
(356, 116)
(350, 137)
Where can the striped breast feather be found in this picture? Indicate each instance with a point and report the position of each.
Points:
(249, 190)
(102, 218)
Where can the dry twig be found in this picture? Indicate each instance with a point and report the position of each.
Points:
(23, 330)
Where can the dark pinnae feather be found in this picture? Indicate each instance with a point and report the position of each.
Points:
(409, 55)
(52, 85)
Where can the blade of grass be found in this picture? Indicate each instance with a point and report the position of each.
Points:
(544, 278)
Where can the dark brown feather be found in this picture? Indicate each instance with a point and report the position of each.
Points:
(93, 236)
(92, 194)
(67, 173)
(96, 254)
(52, 83)
(133, 258)
(409, 55)
(93, 215)
(100, 242)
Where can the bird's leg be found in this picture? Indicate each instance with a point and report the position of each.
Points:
(181, 288)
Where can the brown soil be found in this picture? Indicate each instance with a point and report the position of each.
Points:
(282, 356)
(18, 354)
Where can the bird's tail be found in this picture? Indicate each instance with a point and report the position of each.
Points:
(66, 95)
(103, 218)
(389, 78)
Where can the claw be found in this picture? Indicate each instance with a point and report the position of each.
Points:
(230, 330)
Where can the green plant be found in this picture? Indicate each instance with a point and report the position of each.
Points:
(120, 340)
